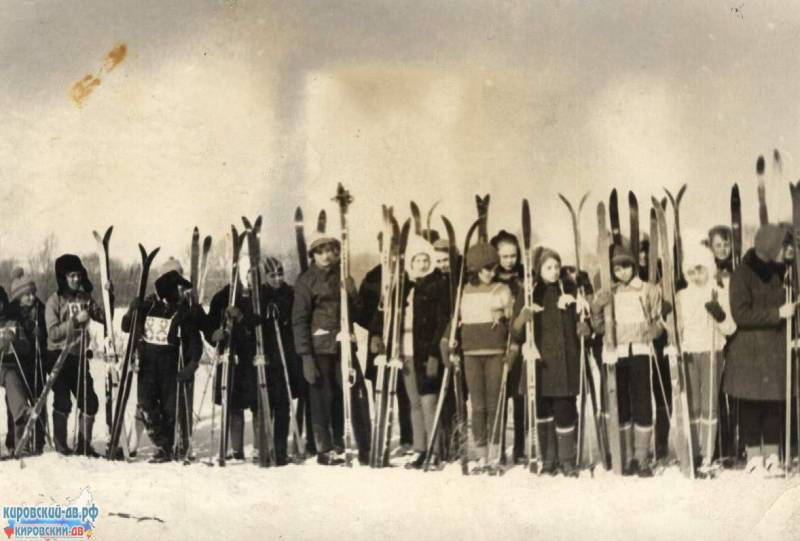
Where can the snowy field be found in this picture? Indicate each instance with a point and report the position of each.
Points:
(241, 501)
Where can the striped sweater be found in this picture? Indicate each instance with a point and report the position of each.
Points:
(485, 313)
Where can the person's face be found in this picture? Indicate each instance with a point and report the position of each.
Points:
(274, 279)
(624, 273)
(420, 264)
(74, 280)
(326, 255)
(721, 247)
(698, 275)
(507, 253)
(486, 274)
(550, 271)
(27, 299)
(442, 261)
(643, 259)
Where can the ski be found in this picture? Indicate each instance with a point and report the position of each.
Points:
(225, 349)
(530, 353)
(609, 343)
(763, 217)
(794, 189)
(300, 239)
(322, 221)
(483, 215)
(389, 239)
(266, 439)
(613, 213)
(395, 363)
(452, 255)
(194, 264)
(131, 352)
(417, 216)
(34, 413)
(736, 226)
(653, 275)
(633, 211)
(677, 369)
(675, 200)
(201, 288)
(345, 336)
(428, 218)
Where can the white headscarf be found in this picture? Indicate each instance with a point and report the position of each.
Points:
(418, 246)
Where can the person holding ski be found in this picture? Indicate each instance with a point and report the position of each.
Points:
(705, 323)
(67, 315)
(169, 334)
(755, 370)
(637, 308)
(278, 297)
(719, 240)
(486, 309)
(425, 317)
(557, 333)
(28, 311)
(509, 272)
(316, 321)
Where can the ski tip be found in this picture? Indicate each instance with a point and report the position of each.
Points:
(196, 232)
(632, 200)
(760, 165)
(207, 243)
(298, 215)
(776, 156)
(107, 235)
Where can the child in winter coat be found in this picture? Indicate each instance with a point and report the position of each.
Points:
(637, 309)
(705, 323)
(557, 332)
(485, 311)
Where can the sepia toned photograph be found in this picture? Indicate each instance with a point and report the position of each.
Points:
(403, 270)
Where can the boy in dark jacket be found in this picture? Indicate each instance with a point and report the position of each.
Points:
(168, 334)
(67, 315)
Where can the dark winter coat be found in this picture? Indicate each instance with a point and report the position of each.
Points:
(756, 355)
(315, 314)
(514, 283)
(278, 307)
(370, 316)
(430, 319)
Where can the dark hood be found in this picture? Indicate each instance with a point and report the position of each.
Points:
(71, 263)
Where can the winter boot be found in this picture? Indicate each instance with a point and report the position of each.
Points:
(60, 432)
(85, 425)
(329, 458)
(641, 446)
(161, 456)
(566, 451)
(547, 445)
(630, 465)
(237, 434)
(418, 462)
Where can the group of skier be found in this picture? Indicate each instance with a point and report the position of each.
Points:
(687, 335)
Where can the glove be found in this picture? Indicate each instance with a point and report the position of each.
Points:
(666, 309)
(654, 330)
(218, 336)
(511, 355)
(603, 298)
(715, 310)
(432, 367)
(787, 310)
(234, 313)
(310, 370)
(583, 329)
(186, 373)
(376, 345)
(564, 301)
(135, 304)
(525, 315)
(82, 317)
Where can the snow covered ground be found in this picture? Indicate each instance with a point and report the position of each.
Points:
(242, 501)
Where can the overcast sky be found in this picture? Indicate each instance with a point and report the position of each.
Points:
(242, 107)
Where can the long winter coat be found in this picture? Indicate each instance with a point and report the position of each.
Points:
(556, 337)
(430, 318)
(278, 304)
(756, 354)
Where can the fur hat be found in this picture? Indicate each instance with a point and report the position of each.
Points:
(481, 255)
(66, 264)
(272, 265)
(170, 264)
(21, 284)
(769, 242)
(696, 254)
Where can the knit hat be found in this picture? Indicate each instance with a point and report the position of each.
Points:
(481, 255)
(415, 246)
(320, 239)
(622, 256)
(170, 264)
(272, 265)
(542, 254)
(21, 284)
(769, 242)
(504, 236)
(696, 254)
